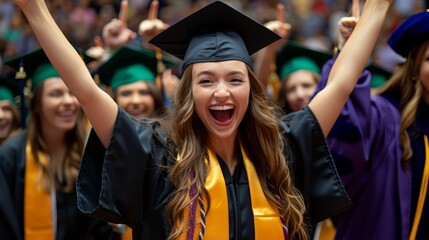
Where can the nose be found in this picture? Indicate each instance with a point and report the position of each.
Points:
(1, 113)
(135, 98)
(69, 98)
(300, 93)
(222, 92)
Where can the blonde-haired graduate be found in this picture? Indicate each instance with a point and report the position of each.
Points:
(221, 166)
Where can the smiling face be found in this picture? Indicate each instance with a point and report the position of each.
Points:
(299, 87)
(6, 118)
(59, 108)
(221, 95)
(136, 99)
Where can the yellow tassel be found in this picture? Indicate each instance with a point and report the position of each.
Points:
(274, 83)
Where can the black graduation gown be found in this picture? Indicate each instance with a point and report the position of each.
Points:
(416, 133)
(125, 183)
(71, 223)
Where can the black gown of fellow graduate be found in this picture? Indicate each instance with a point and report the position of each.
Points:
(126, 184)
(71, 223)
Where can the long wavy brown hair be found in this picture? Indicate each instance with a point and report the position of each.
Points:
(264, 143)
(405, 85)
(75, 139)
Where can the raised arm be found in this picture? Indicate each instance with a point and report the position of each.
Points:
(328, 103)
(99, 107)
(264, 58)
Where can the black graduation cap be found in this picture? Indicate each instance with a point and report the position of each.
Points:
(130, 64)
(216, 32)
(35, 65)
(295, 56)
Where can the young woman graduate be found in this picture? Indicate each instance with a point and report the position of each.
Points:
(222, 167)
(39, 166)
(9, 113)
(130, 75)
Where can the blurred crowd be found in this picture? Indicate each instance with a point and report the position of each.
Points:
(314, 22)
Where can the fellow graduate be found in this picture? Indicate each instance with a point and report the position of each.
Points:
(9, 112)
(39, 166)
(380, 144)
(221, 166)
(130, 73)
(299, 71)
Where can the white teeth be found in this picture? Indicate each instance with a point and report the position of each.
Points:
(221, 108)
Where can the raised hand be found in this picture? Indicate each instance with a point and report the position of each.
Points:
(346, 25)
(279, 26)
(116, 33)
(151, 26)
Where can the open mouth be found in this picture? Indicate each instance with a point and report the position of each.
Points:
(222, 113)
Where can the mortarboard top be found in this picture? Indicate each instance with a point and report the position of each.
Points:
(216, 32)
(36, 66)
(8, 88)
(130, 64)
(410, 33)
(295, 56)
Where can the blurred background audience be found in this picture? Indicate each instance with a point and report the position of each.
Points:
(314, 22)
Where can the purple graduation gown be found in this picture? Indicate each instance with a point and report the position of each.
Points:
(365, 145)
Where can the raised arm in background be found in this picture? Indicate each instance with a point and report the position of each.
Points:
(328, 103)
(99, 107)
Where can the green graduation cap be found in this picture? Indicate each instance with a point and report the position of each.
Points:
(8, 88)
(295, 56)
(36, 66)
(130, 64)
(379, 75)
(33, 65)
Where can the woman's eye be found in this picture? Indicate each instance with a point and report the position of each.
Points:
(236, 80)
(55, 93)
(204, 81)
(144, 92)
(125, 93)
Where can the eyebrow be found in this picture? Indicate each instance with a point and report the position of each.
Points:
(213, 74)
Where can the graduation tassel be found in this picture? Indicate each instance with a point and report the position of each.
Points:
(273, 82)
(21, 76)
(160, 67)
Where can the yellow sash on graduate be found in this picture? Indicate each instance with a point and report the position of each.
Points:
(422, 195)
(267, 220)
(37, 202)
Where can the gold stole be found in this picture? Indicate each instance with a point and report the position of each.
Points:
(423, 189)
(37, 202)
(266, 219)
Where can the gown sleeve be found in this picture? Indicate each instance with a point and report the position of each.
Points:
(365, 145)
(313, 168)
(124, 182)
(12, 184)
